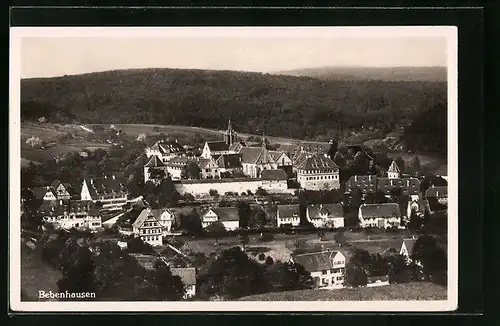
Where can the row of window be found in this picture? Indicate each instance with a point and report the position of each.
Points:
(151, 238)
(315, 171)
(150, 224)
(334, 270)
(150, 231)
(323, 177)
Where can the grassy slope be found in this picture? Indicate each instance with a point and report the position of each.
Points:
(36, 275)
(408, 291)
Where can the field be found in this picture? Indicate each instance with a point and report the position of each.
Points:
(36, 275)
(407, 292)
(282, 246)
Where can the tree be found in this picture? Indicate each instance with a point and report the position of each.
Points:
(189, 198)
(426, 221)
(214, 193)
(288, 277)
(398, 269)
(257, 219)
(430, 255)
(191, 223)
(261, 256)
(216, 229)
(168, 194)
(156, 174)
(244, 212)
(191, 171)
(355, 275)
(414, 164)
(269, 261)
(136, 245)
(261, 192)
(401, 164)
(232, 275)
(169, 287)
(415, 222)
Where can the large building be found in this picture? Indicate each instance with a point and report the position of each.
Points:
(379, 215)
(68, 214)
(148, 228)
(108, 190)
(165, 150)
(316, 172)
(223, 147)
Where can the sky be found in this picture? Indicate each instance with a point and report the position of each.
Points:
(49, 55)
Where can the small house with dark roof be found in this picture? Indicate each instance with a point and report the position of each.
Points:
(288, 215)
(393, 172)
(326, 215)
(316, 172)
(188, 277)
(62, 190)
(148, 228)
(154, 163)
(108, 190)
(228, 216)
(274, 180)
(228, 162)
(379, 215)
(327, 268)
(209, 168)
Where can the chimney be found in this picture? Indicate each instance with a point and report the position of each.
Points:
(355, 178)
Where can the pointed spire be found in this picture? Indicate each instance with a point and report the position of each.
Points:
(394, 167)
(229, 125)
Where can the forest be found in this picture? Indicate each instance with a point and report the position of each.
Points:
(286, 106)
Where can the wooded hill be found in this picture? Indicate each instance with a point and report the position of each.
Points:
(287, 106)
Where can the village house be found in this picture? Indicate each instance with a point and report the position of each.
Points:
(223, 147)
(316, 172)
(148, 228)
(176, 165)
(274, 180)
(62, 190)
(154, 164)
(188, 277)
(68, 214)
(209, 168)
(438, 192)
(165, 217)
(44, 193)
(108, 190)
(288, 215)
(326, 215)
(165, 150)
(283, 161)
(327, 268)
(379, 215)
(255, 160)
(228, 216)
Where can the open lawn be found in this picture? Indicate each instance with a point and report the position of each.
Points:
(393, 292)
(36, 275)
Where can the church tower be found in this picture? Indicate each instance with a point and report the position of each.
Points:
(230, 136)
(393, 172)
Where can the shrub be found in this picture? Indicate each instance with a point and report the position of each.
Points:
(269, 261)
(213, 193)
(249, 193)
(243, 194)
(261, 256)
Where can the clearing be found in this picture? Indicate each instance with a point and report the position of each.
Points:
(393, 292)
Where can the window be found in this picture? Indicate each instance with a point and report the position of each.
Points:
(324, 272)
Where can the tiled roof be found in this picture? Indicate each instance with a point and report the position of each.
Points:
(105, 186)
(410, 186)
(154, 161)
(366, 183)
(39, 192)
(437, 191)
(158, 212)
(317, 162)
(229, 161)
(217, 146)
(144, 216)
(180, 161)
(274, 175)
(288, 210)
(250, 154)
(226, 214)
(236, 147)
(380, 210)
(316, 261)
(57, 208)
(168, 147)
(332, 210)
(187, 275)
(393, 167)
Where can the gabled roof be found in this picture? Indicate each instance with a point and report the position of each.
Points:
(187, 275)
(158, 212)
(180, 161)
(229, 161)
(437, 191)
(273, 175)
(226, 214)
(315, 261)
(288, 210)
(380, 210)
(217, 146)
(250, 154)
(39, 192)
(332, 210)
(168, 147)
(236, 147)
(154, 161)
(203, 162)
(393, 167)
(316, 162)
(144, 216)
(409, 244)
(103, 186)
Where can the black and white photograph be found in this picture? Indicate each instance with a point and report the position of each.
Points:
(233, 169)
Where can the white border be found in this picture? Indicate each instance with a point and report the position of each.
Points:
(448, 32)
